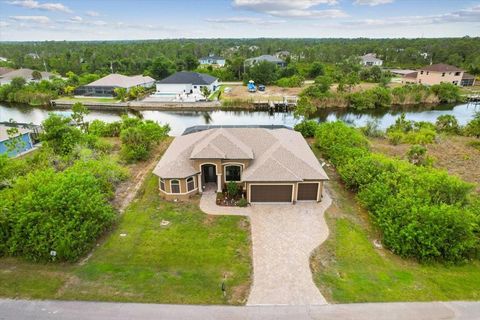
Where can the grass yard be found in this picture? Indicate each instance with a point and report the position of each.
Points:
(184, 262)
(349, 268)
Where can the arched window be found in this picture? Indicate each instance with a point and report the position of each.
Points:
(175, 186)
(162, 184)
(190, 183)
(233, 173)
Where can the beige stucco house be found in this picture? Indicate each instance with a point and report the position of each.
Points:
(438, 73)
(272, 165)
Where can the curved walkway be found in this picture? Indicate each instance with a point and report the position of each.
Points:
(283, 237)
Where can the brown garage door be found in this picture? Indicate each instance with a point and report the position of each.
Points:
(307, 191)
(271, 193)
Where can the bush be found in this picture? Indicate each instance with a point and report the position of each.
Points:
(406, 131)
(139, 136)
(290, 82)
(307, 128)
(59, 135)
(447, 92)
(232, 189)
(422, 212)
(447, 123)
(64, 211)
(473, 127)
(241, 203)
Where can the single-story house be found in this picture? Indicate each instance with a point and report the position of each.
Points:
(185, 85)
(24, 143)
(104, 87)
(266, 57)
(438, 73)
(24, 73)
(272, 165)
(370, 59)
(212, 60)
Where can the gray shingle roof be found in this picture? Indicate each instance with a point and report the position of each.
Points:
(265, 57)
(189, 77)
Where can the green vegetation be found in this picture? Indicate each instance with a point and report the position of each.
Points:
(473, 127)
(406, 131)
(182, 262)
(290, 82)
(423, 213)
(448, 124)
(307, 128)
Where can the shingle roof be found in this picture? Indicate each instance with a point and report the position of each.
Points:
(212, 58)
(119, 80)
(370, 57)
(24, 73)
(468, 76)
(189, 78)
(275, 154)
(265, 57)
(441, 67)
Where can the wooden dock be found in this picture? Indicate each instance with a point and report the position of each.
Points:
(284, 103)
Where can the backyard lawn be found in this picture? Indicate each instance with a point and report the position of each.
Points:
(143, 260)
(349, 268)
(87, 99)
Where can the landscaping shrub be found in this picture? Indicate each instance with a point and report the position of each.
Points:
(232, 189)
(241, 203)
(63, 211)
(422, 212)
(307, 128)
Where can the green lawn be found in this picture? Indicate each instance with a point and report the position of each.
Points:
(348, 267)
(184, 262)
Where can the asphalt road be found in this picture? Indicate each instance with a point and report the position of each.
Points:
(76, 310)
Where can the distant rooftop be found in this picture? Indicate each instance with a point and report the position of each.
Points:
(265, 57)
(189, 77)
(4, 134)
(24, 73)
(119, 80)
(207, 127)
(441, 67)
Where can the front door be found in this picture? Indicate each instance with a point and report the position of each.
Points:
(209, 174)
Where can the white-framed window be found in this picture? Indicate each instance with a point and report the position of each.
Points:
(174, 186)
(162, 184)
(190, 183)
(233, 173)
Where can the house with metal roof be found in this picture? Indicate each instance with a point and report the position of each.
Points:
(266, 57)
(212, 60)
(439, 73)
(272, 165)
(370, 59)
(105, 87)
(185, 86)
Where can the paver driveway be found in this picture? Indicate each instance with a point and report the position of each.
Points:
(284, 237)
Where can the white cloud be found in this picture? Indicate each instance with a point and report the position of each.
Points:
(372, 3)
(4, 24)
(291, 8)
(461, 16)
(34, 19)
(76, 19)
(32, 4)
(92, 13)
(99, 23)
(246, 20)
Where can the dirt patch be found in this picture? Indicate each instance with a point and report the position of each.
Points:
(271, 92)
(451, 153)
(239, 294)
(127, 190)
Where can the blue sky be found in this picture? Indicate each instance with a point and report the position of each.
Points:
(158, 19)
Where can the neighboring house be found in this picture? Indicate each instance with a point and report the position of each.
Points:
(185, 86)
(253, 48)
(370, 59)
(266, 57)
(25, 142)
(400, 72)
(438, 73)
(282, 54)
(32, 55)
(273, 165)
(3, 59)
(24, 73)
(106, 86)
(212, 60)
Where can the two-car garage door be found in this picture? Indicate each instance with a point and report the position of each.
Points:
(283, 193)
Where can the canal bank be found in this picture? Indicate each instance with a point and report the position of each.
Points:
(181, 119)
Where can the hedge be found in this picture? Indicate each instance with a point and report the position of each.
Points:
(423, 213)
